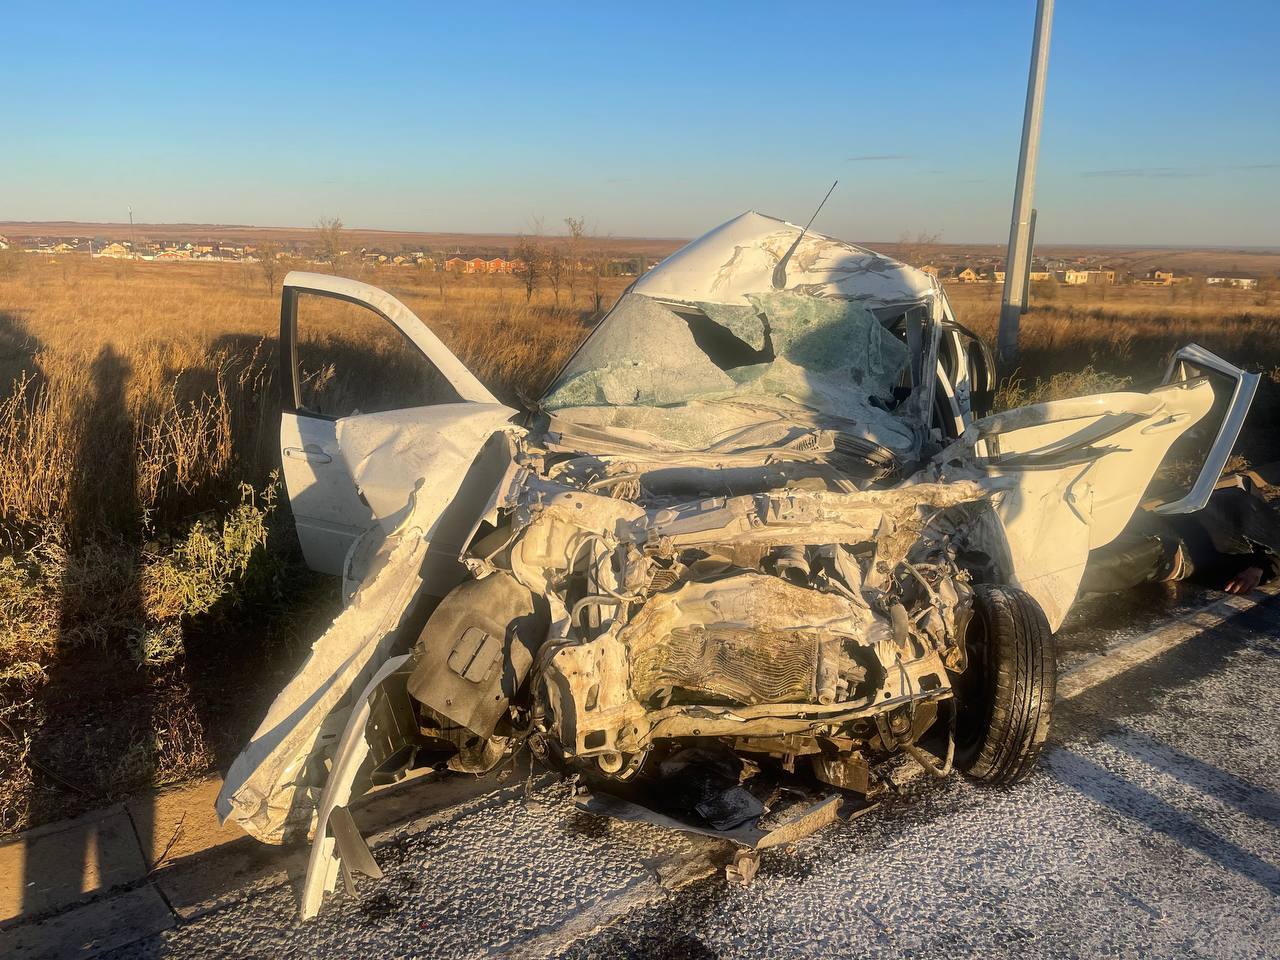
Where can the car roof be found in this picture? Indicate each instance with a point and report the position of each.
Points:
(739, 257)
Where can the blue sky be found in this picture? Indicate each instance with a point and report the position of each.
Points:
(1162, 123)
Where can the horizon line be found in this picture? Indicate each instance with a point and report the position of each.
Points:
(138, 225)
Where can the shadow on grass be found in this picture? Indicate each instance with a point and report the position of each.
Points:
(18, 350)
(106, 722)
(90, 719)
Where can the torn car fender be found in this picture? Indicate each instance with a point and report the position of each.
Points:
(270, 789)
(1071, 473)
(324, 862)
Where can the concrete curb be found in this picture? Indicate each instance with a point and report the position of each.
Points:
(52, 867)
(83, 886)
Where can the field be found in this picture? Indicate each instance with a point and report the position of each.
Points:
(151, 597)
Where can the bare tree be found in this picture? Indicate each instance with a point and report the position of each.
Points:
(10, 260)
(330, 240)
(529, 260)
(269, 263)
(442, 279)
(554, 266)
(1044, 290)
(1267, 288)
(918, 250)
(1195, 289)
(599, 269)
(577, 230)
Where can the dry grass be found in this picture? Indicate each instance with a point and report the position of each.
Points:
(148, 581)
(151, 601)
(162, 375)
(1128, 334)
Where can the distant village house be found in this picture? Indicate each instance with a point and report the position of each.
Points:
(1240, 281)
(1077, 277)
(481, 265)
(1160, 277)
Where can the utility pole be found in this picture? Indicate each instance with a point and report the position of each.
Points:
(133, 243)
(1031, 247)
(1017, 263)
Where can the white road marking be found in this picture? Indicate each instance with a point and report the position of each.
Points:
(1127, 654)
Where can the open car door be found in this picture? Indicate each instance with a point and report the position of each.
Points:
(385, 440)
(1205, 448)
(373, 408)
(1074, 470)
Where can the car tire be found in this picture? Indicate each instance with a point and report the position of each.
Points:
(1004, 699)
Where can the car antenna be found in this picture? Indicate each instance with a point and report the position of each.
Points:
(780, 271)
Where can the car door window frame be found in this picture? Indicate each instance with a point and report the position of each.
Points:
(391, 310)
(1195, 357)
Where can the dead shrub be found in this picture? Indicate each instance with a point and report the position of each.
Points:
(1014, 392)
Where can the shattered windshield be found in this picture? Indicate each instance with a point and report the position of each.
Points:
(831, 356)
(712, 341)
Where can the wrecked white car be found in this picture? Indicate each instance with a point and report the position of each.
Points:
(761, 528)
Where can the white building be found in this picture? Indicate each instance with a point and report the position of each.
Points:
(1241, 281)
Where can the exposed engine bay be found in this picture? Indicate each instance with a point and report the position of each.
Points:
(774, 620)
(762, 525)
(733, 614)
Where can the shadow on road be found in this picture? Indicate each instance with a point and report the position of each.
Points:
(1098, 714)
(1134, 802)
(1248, 798)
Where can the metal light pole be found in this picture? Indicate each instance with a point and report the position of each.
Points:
(1026, 277)
(1017, 263)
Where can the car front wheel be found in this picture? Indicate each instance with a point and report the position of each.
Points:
(1004, 699)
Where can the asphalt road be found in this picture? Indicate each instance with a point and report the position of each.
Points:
(1152, 829)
